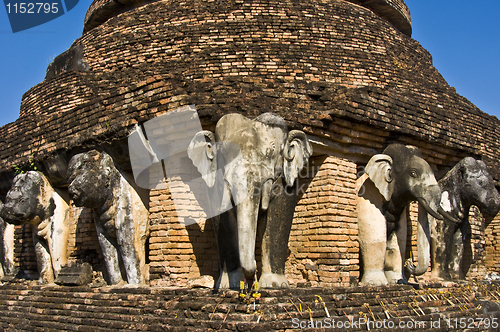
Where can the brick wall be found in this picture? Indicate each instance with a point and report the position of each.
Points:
(323, 247)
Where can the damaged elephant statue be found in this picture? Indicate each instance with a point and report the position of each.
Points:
(391, 181)
(262, 183)
(33, 200)
(6, 247)
(120, 214)
(467, 183)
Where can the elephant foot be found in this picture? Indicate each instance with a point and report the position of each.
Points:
(374, 278)
(119, 284)
(230, 280)
(437, 275)
(394, 278)
(273, 280)
(457, 276)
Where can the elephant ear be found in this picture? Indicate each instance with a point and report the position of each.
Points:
(379, 169)
(296, 153)
(203, 153)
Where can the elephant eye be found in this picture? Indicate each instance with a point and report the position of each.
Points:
(414, 173)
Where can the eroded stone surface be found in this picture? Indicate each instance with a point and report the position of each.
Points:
(121, 216)
(75, 274)
(33, 200)
(6, 247)
(467, 183)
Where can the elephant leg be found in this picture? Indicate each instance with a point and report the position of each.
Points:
(3, 247)
(110, 254)
(276, 234)
(58, 240)
(395, 252)
(459, 241)
(8, 247)
(43, 259)
(441, 235)
(131, 260)
(227, 243)
(372, 235)
(128, 245)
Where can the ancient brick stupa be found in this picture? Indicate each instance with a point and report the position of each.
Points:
(347, 73)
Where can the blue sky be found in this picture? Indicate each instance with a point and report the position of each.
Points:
(463, 37)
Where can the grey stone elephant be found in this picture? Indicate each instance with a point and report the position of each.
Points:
(467, 183)
(260, 183)
(120, 214)
(391, 181)
(6, 247)
(33, 200)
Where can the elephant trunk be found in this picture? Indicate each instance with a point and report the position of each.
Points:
(247, 214)
(492, 206)
(423, 233)
(423, 245)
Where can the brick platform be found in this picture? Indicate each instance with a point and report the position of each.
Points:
(28, 307)
(337, 70)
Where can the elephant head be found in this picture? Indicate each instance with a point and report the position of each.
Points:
(33, 200)
(253, 155)
(121, 217)
(399, 175)
(28, 200)
(402, 175)
(91, 176)
(467, 183)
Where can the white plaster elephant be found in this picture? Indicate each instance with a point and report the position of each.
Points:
(6, 247)
(33, 200)
(121, 215)
(467, 183)
(392, 180)
(260, 182)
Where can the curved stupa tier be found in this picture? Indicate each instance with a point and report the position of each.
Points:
(334, 68)
(394, 11)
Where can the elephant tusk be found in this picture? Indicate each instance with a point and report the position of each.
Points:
(431, 211)
(266, 194)
(447, 216)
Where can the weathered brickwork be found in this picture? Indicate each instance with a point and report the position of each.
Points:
(323, 245)
(28, 307)
(334, 69)
(24, 252)
(492, 245)
(179, 249)
(82, 246)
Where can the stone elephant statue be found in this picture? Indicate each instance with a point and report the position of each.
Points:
(467, 183)
(33, 200)
(6, 247)
(391, 181)
(120, 214)
(261, 182)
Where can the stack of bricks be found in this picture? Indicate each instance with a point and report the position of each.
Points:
(492, 245)
(179, 249)
(323, 242)
(24, 251)
(83, 245)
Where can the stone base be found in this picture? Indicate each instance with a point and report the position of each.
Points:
(75, 275)
(27, 306)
